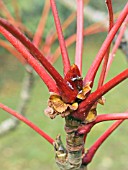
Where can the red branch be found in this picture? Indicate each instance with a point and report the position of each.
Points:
(64, 53)
(93, 29)
(64, 90)
(111, 23)
(86, 105)
(84, 129)
(116, 45)
(31, 60)
(79, 34)
(110, 12)
(95, 65)
(91, 152)
(35, 52)
(27, 122)
(112, 116)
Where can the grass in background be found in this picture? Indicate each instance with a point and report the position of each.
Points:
(24, 149)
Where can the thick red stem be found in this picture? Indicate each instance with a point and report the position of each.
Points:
(91, 152)
(35, 52)
(31, 60)
(86, 105)
(64, 90)
(27, 122)
(84, 129)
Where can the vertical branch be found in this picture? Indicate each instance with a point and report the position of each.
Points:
(79, 36)
(110, 12)
(66, 62)
(93, 29)
(111, 23)
(51, 37)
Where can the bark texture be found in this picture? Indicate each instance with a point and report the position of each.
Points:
(70, 158)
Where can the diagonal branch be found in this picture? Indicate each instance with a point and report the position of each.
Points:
(95, 65)
(35, 52)
(64, 90)
(116, 45)
(31, 60)
(86, 105)
(91, 152)
(93, 29)
(27, 122)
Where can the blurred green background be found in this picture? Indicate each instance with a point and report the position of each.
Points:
(25, 149)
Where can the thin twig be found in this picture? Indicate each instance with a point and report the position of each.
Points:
(41, 25)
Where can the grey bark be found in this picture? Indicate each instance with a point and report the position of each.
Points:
(12, 123)
(90, 13)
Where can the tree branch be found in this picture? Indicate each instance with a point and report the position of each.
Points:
(66, 61)
(79, 34)
(27, 122)
(95, 65)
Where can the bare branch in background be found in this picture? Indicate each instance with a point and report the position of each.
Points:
(89, 12)
(124, 44)
(28, 82)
